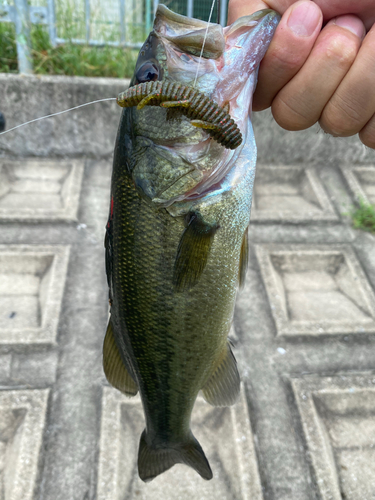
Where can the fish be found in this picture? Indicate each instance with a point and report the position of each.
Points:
(176, 244)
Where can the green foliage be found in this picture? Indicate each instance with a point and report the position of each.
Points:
(364, 217)
(66, 59)
(8, 50)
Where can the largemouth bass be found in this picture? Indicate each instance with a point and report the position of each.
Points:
(176, 240)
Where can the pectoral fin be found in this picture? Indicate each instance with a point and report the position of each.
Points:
(114, 368)
(193, 251)
(223, 387)
(244, 258)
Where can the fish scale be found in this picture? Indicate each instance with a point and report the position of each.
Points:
(152, 260)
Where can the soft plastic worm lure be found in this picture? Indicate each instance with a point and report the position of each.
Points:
(205, 113)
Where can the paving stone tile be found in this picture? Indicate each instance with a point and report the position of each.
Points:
(289, 194)
(32, 280)
(224, 434)
(316, 289)
(38, 367)
(361, 182)
(338, 420)
(40, 190)
(22, 419)
(5, 366)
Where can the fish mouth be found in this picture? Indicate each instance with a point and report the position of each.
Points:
(188, 34)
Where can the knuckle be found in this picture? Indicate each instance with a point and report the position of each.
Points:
(338, 49)
(367, 135)
(290, 115)
(343, 54)
(340, 118)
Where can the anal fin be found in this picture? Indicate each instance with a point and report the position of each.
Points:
(114, 368)
(223, 386)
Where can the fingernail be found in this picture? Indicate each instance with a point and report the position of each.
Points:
(351, 23)
(304, 19)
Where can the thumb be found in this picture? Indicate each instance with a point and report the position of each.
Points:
(239, 8)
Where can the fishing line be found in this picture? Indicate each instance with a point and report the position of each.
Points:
(204, 41)
(58, 113)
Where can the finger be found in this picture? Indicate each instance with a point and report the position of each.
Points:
(367, 134)
(364, 9)
(239, 8)
(288, 51)
(301, 102)
(353, 103)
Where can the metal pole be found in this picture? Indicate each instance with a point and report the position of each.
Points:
(22, 22)
(87, 20)
(148, 16)
(156, 3)
(52, 22)
(223, 12)
(189, 8)
(122, 21)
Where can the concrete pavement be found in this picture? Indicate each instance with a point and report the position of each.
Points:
(304, 328)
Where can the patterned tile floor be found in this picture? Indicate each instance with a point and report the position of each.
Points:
(304, 335)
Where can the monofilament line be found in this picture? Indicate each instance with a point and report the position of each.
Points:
(58, 113)
(204, 41)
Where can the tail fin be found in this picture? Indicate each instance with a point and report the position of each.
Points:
(155, 461)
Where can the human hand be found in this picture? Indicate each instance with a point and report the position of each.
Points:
(311, 74)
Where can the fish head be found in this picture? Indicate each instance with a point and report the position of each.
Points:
(172, 160)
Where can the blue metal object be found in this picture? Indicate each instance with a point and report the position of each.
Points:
(223, 12)
(122, 22)
(87, 20)
(51, 16)
(189, 8)
(148, 15)
(22, 22)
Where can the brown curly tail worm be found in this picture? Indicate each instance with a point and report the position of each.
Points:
(204, 112)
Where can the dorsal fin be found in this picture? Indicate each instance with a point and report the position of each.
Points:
(193, 251)
(114, 368)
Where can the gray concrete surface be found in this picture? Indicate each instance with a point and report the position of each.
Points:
(85, 132)
(304, 326)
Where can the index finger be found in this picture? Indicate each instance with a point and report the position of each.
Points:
(364, 9)
(239, 8)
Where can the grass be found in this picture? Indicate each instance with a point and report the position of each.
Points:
(364, 217)
(66, 59)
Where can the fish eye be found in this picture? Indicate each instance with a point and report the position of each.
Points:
(148, 72)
